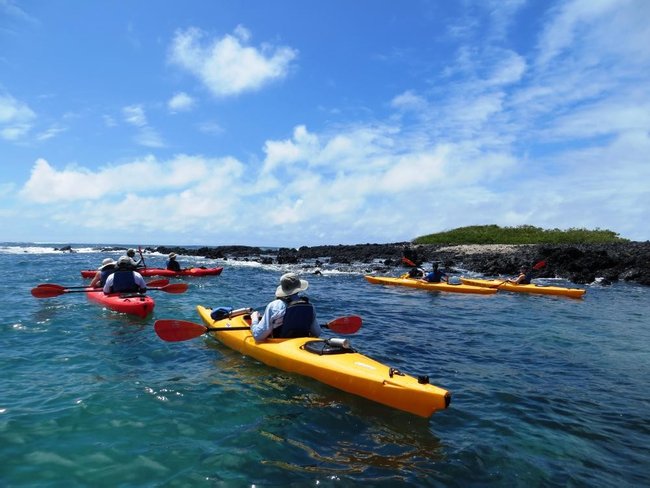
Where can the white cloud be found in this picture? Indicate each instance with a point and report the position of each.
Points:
(228, 66)
(48, 185)
(146, 135)
(16, 118)
(134, 115)
(210, 127)
(181, 102)
(50, 133)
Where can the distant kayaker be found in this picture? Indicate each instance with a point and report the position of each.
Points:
(289, 315)
(436, 275)
(172, 264)
(125, 279)
(105, 270)
(416, 273)
(523, 278)
(135, 264)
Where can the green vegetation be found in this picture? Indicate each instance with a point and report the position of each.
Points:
(523, 234)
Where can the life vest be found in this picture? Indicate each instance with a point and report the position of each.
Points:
(297, 319)
(434, 276)
(123, 282)
(104, 274)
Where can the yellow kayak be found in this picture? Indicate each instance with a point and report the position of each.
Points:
(532, 288)
(339, 367)
(415, 283)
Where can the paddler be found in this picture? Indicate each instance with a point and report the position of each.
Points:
(124, 279)
(289, 315)
(172, 264)
(436, 275)
(105, 270)
(523, 278)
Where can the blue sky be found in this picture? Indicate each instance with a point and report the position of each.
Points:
(290, 123)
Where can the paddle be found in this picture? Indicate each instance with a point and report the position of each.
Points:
(182, 330)
(49, 292)
(153, 283)
(408, 262)
(539, 265)
(144, 265)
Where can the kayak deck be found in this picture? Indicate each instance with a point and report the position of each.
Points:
(415, 283)
(129, 303)
(532, 288)
(348, 371)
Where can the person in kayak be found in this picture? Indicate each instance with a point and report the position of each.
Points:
(289, 315)
(135, 264)
(436, 275)
(523, 278)
(172, 264)
(416, 273)
(105, 270)
(124, 279)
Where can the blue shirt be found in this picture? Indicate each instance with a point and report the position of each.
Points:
(273, 317)
(435, 276)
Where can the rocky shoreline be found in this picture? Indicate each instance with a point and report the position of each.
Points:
(578, 263)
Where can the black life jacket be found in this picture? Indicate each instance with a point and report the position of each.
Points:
(297, 319)
(124, 282)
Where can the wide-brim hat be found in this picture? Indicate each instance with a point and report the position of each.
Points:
(172, 255)
(290, 284)
(106, 263)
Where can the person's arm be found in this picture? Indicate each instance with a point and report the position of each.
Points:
(262, 328)
(96, 279)
(139, 280)
(108, 285)
(316, 330)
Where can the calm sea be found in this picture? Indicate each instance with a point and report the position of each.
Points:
(547, 391)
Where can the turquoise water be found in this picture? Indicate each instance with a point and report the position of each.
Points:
(547, 391)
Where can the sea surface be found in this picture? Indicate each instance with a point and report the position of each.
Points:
(547, 391)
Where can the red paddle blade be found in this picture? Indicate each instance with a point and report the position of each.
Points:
(178, 330)
(408, 262)
(51, 285)
(173, 288)
(47, 292)
(345, 325)
(155, 283)
(539, 265)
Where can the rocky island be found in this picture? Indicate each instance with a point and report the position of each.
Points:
(578, 263)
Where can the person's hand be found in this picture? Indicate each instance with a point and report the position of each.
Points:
(255, 316)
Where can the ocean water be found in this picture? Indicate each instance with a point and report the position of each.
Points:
(547, 391)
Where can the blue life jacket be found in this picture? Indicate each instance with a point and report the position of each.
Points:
(297, 319)
(434, 276)
(124, 282)
(104, 274)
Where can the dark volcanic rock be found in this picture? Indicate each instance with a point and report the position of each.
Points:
(579, 263)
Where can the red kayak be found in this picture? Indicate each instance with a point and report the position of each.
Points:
(89, 273)
(130, 303)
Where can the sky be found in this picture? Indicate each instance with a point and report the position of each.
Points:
(297, 123)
